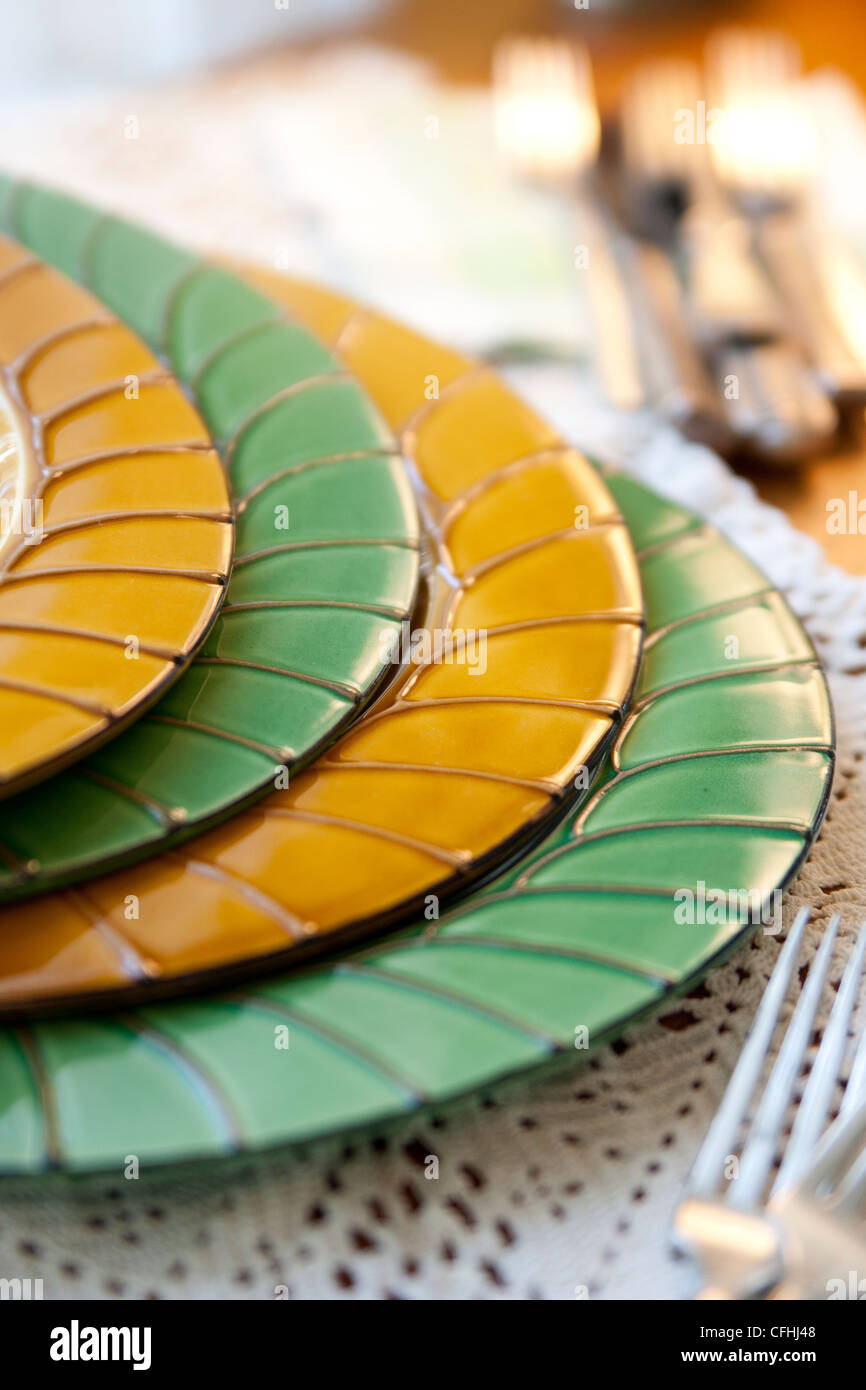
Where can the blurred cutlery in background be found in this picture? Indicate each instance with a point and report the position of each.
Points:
(765, 157)
(775, 407)
(686, 320)
(548, 131)
(675, 378)
(805, 263)
(673, 197)
(763, 147)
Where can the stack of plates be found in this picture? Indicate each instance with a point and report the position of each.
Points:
(360, 741)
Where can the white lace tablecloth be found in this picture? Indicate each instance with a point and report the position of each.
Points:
(545, 1187)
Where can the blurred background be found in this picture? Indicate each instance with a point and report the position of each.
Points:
(75, 43)
(354, 141)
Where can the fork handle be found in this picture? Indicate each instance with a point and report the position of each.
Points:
(676, 378)
(611, 306)
(774, 405)
(796, 270)
(729, 296)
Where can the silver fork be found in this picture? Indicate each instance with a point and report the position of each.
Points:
(784, 1236)
(676, 196)
(771, 403)
(766, 161)
(548, 132)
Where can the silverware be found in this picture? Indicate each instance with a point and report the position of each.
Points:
(825, 292)
(792, 1235)
(760, 391)
(676, 200)
(677, 382)
(548, 131)
(774, 405)
(765, 158)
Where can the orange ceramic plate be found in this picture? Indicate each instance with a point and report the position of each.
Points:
(533, 630)
(115, 523)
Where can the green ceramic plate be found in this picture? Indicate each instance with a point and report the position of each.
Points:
(719, 778)
(327, 550)
(469, 753)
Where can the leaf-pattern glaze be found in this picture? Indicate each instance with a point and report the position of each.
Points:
(566, 939)
(454, 767)
(581, 933)
(296, 650)
(115, 523)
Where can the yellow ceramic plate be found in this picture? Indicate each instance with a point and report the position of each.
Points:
(533, 636)
(115, 529)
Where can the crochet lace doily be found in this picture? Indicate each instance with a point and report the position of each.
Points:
(547, 1188)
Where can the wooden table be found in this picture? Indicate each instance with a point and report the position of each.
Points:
(458, 36)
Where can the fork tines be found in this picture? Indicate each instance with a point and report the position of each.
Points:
(547, 124)
(802, 1152)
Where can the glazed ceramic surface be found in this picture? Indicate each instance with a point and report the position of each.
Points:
(115, 524)
(720, 776)
(460, 761)
(326, 560)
